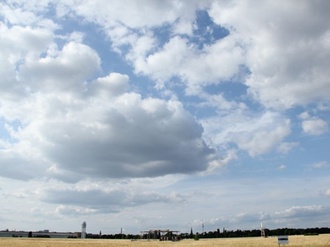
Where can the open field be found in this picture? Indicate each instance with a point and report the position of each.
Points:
(294, 241)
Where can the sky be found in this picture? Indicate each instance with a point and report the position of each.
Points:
(146, 114)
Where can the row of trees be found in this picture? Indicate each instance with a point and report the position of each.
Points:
(226, 234)
(268, 232)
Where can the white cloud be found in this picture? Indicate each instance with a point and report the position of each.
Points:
(287, 53)
(282, 167)
(254, 134)
(60, 72)
(129, 137)
(286, 59)
(263, 141)
(305, 115)
(21, 162)
(22, 43)
(113, 84)
(76, 211)
(97, 201)
(315, 126)
(216, 62)
(24, 40)
(105, 132)
(17, 15)
(230, 156)
(66, 122)
(303, 212)
(321, 164)
(127, 26)
(286, 147)
(327, 192)
(142, 14)
(27, 14)
(131, 33)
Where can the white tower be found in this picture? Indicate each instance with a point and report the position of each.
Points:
(262, 229)
(83, 230)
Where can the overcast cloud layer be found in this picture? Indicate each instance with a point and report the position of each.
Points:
(175, 112)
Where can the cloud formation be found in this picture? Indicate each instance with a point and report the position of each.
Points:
(286, 54)
(116, 136)
(313, 125)
(254, 134)
(128, 137)
(100, 201)
(93, 127)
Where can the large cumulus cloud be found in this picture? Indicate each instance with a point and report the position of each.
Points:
(125, 136)
(63, 120)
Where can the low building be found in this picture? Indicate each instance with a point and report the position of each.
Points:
(38, 234)
(162, 235)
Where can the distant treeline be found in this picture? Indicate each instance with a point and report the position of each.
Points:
(268, 232)
(224, 233)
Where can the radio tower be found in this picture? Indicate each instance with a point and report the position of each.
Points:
(83, 230)
(262, 229)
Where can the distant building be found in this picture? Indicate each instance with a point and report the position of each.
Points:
(162, 235)
(40, 234)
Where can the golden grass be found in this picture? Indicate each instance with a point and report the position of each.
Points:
(294, 241)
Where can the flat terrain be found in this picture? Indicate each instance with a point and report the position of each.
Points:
(294, 241)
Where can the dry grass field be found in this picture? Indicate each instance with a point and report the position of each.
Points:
(294, 241)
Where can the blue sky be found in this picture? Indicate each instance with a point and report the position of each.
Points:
(164, 114)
